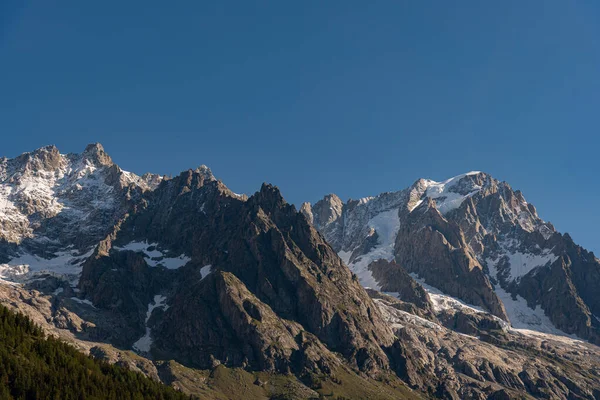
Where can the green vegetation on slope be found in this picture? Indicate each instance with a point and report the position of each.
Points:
(222, 383)
(35, 367)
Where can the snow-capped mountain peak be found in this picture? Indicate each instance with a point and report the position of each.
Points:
(450, 193)
(193, 272)
(205, 172)
(49, 199)
(474, 238)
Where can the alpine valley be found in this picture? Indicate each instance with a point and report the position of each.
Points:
(453, 290)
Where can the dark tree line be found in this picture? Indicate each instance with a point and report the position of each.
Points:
(35, 367)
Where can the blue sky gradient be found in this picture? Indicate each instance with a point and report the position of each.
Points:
(349, 97)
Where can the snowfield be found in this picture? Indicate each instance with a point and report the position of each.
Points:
(204, 271)
(155, 257)
(386, 225)
(520, 264)
(27, 266)
(144, 343)
(446, 199)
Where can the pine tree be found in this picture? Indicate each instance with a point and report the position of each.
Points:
(35, 367)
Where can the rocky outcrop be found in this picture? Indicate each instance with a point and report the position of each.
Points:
(495, 364)
(276, 293)
(225, 323)
(554, 290)
(435, 249)
(325, 214)
(397, 280)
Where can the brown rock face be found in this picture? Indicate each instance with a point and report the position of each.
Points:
(276, 294)
(435, 248)
(185, 269)
(326, 214)
(219, 320)
(474, 238)
(492, 363)
(554, 289)
(96, 153)
(397, 280)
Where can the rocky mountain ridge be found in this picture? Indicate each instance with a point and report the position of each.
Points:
(183, 279)
(261, 252)
(476, 239)
(53, 204)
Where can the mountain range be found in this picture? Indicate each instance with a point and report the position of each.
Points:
(453, 289)
(476, 239)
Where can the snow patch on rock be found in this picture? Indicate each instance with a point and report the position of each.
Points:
(415, 205)
(519, 263)
(385, 225)
(446, 199)
(398, 318)
(144, 343)
(563, 338)
(520, 314)
(26, 266)
(204, 271)
(83, 301)
(155, 257)
(522, 263)
(442, 301)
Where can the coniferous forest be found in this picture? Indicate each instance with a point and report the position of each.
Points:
(33, 366)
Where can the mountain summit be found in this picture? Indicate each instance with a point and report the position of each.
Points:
(474, 238)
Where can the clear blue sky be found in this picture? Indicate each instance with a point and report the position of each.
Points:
(351, 97)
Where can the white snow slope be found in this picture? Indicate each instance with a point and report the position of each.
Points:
(155, 257)
(144, 343)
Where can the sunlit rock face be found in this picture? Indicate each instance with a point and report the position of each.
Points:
(184, 269)
(476, 239)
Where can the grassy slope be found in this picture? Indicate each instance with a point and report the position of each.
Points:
(227, 383)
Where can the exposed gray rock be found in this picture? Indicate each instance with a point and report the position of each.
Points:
(451, 365)
(273, 280)
(477, 239)
(185, 269)
(52, 201)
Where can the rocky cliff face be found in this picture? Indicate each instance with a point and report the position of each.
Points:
(256, 285)
(467, 354)
(50, 202)
(476, 239)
